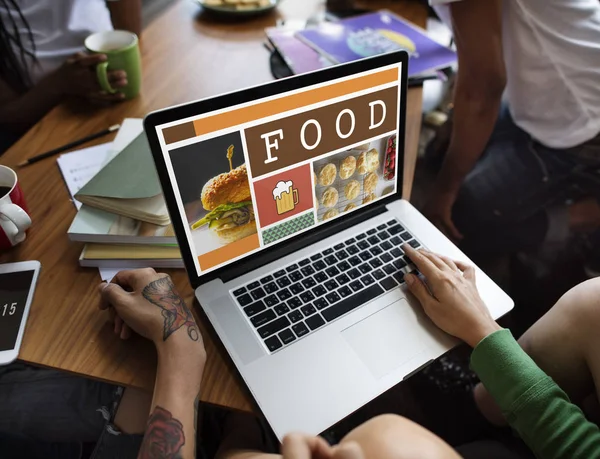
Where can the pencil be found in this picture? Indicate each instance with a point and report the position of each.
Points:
(68, 146)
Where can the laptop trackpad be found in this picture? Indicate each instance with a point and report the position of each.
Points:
(387, 339)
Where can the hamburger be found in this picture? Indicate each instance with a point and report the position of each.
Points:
(226, 197)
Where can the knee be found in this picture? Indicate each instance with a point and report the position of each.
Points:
(581, 305)
(395, 437)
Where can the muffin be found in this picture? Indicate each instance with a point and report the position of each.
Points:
(368, 198)
(327, 175)
(330, 197)
(370, 182)
(330, 214)
(348, 167)
(352, 189)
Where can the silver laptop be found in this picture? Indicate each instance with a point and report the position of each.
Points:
(286, 202)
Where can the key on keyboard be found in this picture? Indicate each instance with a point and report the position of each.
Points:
(351, 302)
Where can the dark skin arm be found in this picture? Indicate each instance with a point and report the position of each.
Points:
(126, 15)
(480, 84)
(19, 112)
(76, 77)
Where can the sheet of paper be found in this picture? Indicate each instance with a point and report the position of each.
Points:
(107, 274)
(78, 167)
(130, 129)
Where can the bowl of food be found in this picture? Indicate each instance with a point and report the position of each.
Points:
(389, 162)
(238, 7)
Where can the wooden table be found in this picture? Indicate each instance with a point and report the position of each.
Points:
(186, 56)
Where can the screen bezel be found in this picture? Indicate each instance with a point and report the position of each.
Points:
(9, 355)
(231, 99)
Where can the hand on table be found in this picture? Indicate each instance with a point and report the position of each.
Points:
(449, 296)
(147, 302)
(301, 446)
(77, 77)
(439, 212)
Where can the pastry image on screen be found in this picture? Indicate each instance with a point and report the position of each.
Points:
(349, 179)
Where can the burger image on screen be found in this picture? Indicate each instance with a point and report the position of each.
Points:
(226, 197)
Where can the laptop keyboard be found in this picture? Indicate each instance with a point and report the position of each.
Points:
(298, 299)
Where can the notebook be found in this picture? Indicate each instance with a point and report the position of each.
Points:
(95, 225)
(377, 33)
(298, 56)
(130, 256)
(78, 167)
(128, 186)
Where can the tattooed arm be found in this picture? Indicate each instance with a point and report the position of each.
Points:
(148, 303)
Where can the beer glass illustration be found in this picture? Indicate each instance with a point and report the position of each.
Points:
(285, 196)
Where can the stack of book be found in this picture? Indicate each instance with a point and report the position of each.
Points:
(123, 219)
(329, 43)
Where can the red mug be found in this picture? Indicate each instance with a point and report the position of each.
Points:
(14, 220)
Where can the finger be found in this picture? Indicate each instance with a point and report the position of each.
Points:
(118, 325)
(133, 279)
(350, 450)
(103, 303)
(114, 295)
(75, 57)
(125, 332)
(449, 262)
(89, 60)
(117, 79)
(423, 264)
(418, 288)
(116, 75)
(300, 446)
(106, 97)
(467, 270)
(435, 259)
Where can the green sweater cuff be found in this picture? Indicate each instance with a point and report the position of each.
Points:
(506, 371)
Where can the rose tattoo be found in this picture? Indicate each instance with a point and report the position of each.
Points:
(164, 436)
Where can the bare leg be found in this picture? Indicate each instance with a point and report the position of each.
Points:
(384, 437)
(564, 343)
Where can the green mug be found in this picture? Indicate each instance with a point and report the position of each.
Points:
(123, 53)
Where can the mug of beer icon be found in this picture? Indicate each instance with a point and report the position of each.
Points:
(285, 196)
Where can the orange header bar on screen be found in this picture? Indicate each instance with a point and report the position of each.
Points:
(283, 104)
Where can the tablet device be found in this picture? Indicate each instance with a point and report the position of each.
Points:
(17, 283)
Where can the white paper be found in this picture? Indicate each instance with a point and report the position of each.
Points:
(78, 167)
(130, 129)
(107, 274)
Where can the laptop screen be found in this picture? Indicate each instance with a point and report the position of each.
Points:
(254, 175)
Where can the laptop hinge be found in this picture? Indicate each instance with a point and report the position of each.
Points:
(416, 370)
(301, 241)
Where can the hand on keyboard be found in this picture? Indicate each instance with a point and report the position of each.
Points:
(449, 296)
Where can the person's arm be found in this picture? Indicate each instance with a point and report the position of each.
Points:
(532, 402)
(19, 112)
(147, 303)
(534, 405)
(481, 79)
(126, 15)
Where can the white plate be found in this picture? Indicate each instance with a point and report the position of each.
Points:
(233, 9)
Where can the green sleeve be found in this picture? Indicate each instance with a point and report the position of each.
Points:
(532, 402)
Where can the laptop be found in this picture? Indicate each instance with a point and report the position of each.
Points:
(286, 203)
